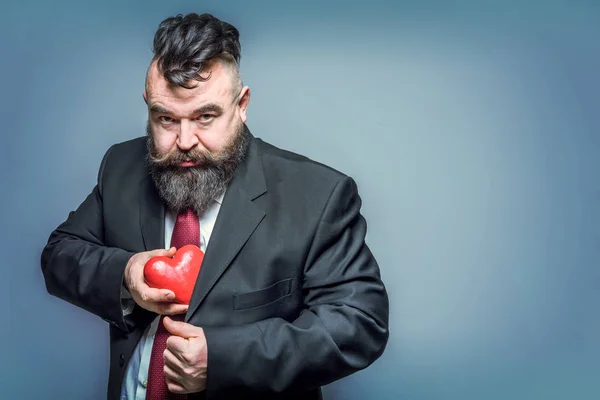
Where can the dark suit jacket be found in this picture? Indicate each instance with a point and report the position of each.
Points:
(289, 295)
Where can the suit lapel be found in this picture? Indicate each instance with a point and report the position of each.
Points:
(238, 218)
(152, 216)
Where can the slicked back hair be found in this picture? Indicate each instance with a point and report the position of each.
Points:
(185, 43)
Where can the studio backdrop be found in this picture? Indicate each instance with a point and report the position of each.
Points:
(471, 128)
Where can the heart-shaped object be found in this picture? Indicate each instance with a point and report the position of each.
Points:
(178, 274)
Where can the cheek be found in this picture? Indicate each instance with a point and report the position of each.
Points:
(214, 142)
(216, 139)
(164, 140)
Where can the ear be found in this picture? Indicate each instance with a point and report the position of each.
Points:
(145, 96)
(244, 100)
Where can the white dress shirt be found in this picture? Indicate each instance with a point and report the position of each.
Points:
(136, 375)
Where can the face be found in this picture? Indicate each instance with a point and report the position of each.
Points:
(205, 118)
(196, 136)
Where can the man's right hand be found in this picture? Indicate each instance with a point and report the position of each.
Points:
(159, 301)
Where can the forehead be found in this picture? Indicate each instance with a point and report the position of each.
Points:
(217, 89)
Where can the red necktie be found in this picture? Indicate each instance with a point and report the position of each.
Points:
(186, 231)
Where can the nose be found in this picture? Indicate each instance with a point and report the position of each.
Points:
(187, 138)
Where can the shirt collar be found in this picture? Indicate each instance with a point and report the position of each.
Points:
(219, 198)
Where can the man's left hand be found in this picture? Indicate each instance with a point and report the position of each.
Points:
(185, 357)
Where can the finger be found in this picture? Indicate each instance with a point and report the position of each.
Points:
(172, 374)
(178, 346)
(172, 308)
(156, 295)
(182, 329)
(162, 252)
(173, 360)
(167, 294)
(175, 387)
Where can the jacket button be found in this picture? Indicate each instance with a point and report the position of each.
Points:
(121, 359)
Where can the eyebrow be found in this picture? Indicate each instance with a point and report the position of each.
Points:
(157, 108)
(209, 107)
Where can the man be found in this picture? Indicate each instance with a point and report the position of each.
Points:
(288, 298)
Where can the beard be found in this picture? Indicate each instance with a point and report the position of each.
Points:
(196, 187)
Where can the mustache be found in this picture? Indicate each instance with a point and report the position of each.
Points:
(175, 157)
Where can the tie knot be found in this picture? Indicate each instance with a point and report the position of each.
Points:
(186, 229)
(188, 214)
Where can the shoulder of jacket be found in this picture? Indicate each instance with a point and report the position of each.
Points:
(297, 162)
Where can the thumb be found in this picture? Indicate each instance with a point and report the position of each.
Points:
(162, 252)
(181, 329)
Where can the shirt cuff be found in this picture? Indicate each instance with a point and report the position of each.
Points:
(127, 302)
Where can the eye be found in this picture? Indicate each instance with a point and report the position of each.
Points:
(166, 120)
(205, 117)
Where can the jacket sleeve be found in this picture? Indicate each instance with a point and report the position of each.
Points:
(79, 268)
(342, 329)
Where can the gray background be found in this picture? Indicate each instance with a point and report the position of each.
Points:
(470, 127)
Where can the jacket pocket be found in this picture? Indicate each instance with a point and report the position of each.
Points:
(264, 296)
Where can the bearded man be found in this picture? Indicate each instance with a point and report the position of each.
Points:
(288, 297)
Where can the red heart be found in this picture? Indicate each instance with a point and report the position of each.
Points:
(178, 274)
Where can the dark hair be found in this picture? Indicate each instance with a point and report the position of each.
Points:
(182, 44)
